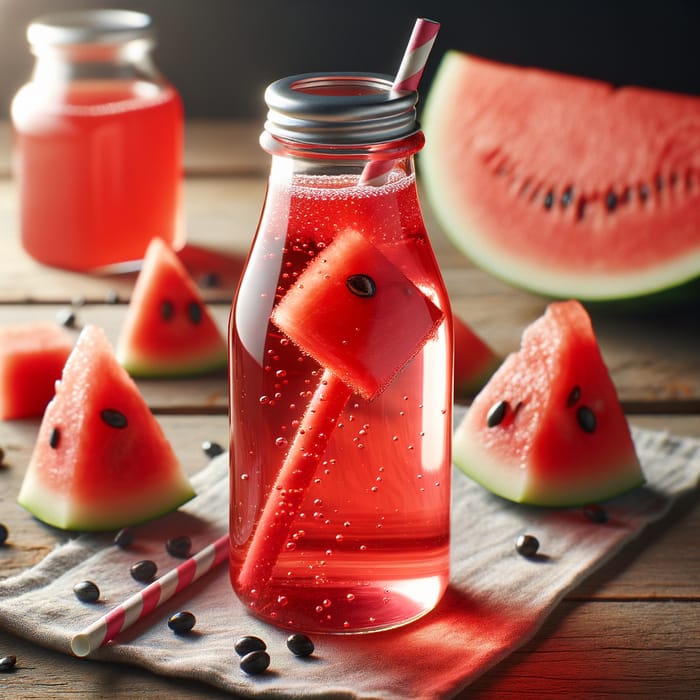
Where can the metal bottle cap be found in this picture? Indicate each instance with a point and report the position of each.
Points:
(89, 27)
(339, 108)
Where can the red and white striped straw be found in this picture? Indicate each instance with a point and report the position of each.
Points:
(407, 77)
(145, 601)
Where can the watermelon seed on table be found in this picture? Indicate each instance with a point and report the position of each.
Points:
(144, 570)
(182, 622)
(86, 591)
(179, 546)
(244, 645)
(124, 538)
(8, 663)
(4, 533)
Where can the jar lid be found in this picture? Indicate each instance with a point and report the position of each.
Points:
(339, 108)
(89, 27)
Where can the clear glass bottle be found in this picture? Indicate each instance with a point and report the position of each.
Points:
(340, 370)
(98, 141)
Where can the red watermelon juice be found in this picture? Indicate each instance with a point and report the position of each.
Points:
(98, 169)
(367, 548)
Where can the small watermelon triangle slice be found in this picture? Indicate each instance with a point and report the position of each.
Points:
(168, 330)
(475, 360)
(101, 460)
(548, 428)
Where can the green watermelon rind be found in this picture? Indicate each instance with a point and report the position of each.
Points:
(166, 368)
(497, 477)
(51, 507)
(462, 229)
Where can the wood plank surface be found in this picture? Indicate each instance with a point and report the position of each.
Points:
(631, 629)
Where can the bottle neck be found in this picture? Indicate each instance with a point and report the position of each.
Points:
(293, 158)
(128, 60)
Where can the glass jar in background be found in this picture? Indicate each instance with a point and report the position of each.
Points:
(98, 141)
(340, 370)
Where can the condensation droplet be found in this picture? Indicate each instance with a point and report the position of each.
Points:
(281, 442)
(244, 477)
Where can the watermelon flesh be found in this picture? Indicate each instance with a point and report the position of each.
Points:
(349, 332)
(564, 186)
(101, 460)
(32, 356)
(548, 428)
(475, 361)
(168, 330)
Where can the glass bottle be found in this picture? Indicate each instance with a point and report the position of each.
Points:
(340, 370)
(98, 141)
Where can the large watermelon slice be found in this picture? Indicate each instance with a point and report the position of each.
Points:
(548, 428)
(32, 356)
(168, 330)
(564, 186)
(101, 460)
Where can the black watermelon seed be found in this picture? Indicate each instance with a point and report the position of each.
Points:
(210, 280)
(4, 533)
(611, 201)
(496, 414)
(212, 449)
(7, 663)
(167, 310)
(144, 570)
(66, 317)
(567, 197)
(54, 438)
(114, 418)
(300, 645)
(549, 200)
(244, 645)
(124, 537)
(179, 546)
(86, 591)
(586, 419)
(595, 513)
(194, 312)
(255, 662)
(574, 395)
(182, 622)
(527, 545)
(361, 285)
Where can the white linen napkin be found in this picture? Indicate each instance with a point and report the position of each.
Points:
(496, 601)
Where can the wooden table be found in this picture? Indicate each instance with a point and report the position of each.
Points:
(632, 629)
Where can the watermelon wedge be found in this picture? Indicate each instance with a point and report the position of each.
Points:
(548, 428)
(32, 356)
(475, 361)
(168, 330)
(101, 460)
(564, 186)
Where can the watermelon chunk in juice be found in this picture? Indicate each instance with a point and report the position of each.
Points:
(362, 320)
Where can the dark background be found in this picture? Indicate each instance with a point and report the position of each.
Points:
(222, 53)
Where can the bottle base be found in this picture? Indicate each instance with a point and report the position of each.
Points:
(343, 609)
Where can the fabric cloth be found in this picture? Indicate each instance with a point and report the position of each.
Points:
(496, 601)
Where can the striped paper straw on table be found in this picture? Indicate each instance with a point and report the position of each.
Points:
(145, 601)
(407, 78)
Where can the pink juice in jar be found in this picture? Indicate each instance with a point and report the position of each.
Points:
(98, 170)
(368, 548)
